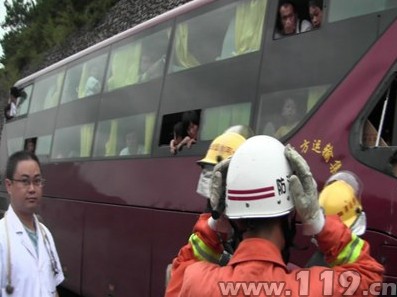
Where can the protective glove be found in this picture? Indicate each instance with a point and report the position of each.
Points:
(218, 221)
(303, 189)
(218, 188)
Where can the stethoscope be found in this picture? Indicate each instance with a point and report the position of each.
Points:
(54, 266)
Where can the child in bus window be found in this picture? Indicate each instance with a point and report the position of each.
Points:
(92, 86)
(316, 13)
(151, 68)
(185, 132)
(190, 121)
(290, 117)
(132, 145)
(180, 135)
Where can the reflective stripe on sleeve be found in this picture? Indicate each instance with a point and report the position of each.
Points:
(350, 252)
(201, 251)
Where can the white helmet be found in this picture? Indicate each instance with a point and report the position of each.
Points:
(257, 181)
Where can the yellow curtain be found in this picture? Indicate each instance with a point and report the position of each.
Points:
(86, 136)
(111, 144)
(54, 92)
(250, 16)
(149, 128)
(218, 119)
(134, 58)
(185, 59)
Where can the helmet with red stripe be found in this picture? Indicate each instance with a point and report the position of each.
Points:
(257, 184)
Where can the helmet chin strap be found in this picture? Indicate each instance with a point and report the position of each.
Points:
(289, 231)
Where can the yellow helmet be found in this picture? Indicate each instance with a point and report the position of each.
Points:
(222, 147)
(338, 198)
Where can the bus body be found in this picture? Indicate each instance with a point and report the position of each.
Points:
(118, 220)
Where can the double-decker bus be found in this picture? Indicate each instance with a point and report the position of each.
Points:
(119, 215)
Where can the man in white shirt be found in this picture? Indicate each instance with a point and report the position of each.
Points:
(29, 262)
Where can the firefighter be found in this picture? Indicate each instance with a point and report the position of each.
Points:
(261, 196)
(341, 196)
(221, 148)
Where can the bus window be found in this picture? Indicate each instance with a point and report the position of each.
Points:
(293, 18)
(341, 9)
(228, 31)
(180, 129)
(43, 146)
(129, 136)
(73, 142)
(378, 128)
(216, 120)
(46, 92)
(84, 79)
(23, 101)
(30, 144)
(280, 112)
(14, 145)
(137, 61)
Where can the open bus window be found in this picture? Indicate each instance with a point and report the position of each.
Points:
(84, 79)
(129, 136)
(137, 61)
(342, 9)
(379, 127)
(280, 112)
(23, 101)
(43, 147)
(73, 142)
(231, 30)
(14, 145)
(46, 92)
(180, 129)
(30, 145)
(216, 120)
(294, 17)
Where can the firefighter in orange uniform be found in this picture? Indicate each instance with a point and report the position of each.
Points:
(266, 182)
(221, 148)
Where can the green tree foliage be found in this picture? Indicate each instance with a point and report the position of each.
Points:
(34, 26)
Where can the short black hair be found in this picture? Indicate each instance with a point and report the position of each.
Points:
(318, 3)
(15, 92)
(17, 157)
(179, 130)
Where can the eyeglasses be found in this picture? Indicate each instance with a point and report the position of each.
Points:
(26, 182)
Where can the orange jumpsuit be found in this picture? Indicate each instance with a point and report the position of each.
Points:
(257, 267)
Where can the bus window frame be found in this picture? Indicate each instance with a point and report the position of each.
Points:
(82, 61)
(52, 73)
(375, 157)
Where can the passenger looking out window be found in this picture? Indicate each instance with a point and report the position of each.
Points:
(316, 13)
(288, 118)
(10, 110)
(132, 145)
(92, 86)
(289, 22)
(151, 68)
(185, 131)
(30, 145)
(180, 134)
